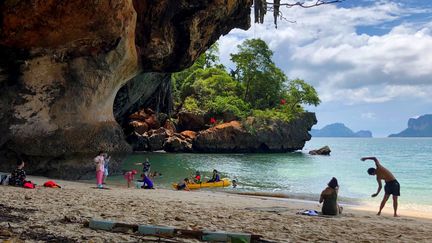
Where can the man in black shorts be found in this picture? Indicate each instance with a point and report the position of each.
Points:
(391, 187)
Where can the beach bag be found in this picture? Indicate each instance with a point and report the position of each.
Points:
(309, 213)
(29, 185)
(4, 180)
(51, 184)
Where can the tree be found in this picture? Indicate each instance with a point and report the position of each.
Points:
(181, 81)
(262, 79)
(299, 92)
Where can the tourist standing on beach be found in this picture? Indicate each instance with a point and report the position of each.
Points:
(391, 187)
(100, 167)
(106, 162)
(146, 167)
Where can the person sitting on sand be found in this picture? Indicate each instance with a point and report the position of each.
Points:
(18, 176)
(391, 187)
(183, 185)
(329, 198)
(129, 176)
(148, 184)
(215, 177)
(197, 178)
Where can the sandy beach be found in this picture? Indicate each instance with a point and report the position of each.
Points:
(60, 214)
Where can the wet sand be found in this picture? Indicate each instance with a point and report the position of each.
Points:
(60, 214)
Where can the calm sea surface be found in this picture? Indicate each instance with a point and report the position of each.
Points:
(303, 176)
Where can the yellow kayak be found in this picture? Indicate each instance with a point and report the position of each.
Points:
(222, 183)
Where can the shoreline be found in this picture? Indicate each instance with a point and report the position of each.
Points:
(61, 213)
(359, 205)
(362, 206)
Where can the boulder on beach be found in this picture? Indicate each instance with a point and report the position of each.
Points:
(322, 151)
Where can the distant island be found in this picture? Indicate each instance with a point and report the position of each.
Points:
(339, 130)
(417, 127)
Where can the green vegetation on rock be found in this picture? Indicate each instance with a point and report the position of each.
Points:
(256, 87)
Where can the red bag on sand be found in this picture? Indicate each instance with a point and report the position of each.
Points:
(51, 184)
(29, 185)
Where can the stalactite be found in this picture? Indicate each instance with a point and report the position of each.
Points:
(276, 5)
(257, 4)
(263, 11)
(260, 10)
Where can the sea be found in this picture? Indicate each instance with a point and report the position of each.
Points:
(299, 175)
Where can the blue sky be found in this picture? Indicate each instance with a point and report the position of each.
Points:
(370, 61)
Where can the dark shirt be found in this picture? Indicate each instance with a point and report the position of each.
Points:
(146, 166)
(215, 178)
(17, 178)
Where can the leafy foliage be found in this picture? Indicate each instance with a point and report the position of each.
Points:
(257, 87)
(263, 81)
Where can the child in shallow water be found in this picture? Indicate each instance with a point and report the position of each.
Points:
(129, 176)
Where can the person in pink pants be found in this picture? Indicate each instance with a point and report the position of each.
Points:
(100, 165)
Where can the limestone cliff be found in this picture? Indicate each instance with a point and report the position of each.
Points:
(64, 61)
(275, 136)
(417, 127)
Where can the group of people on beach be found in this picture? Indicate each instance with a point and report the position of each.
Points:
(328, 196)
(392, 188)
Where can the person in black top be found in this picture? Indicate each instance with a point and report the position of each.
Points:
(18, 176)
(215, 177)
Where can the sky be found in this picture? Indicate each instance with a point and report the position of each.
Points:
(370, 61)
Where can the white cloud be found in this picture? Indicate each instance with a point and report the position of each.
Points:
(368, 115)
(324, 48)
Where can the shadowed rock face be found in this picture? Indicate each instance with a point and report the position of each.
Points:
(64, 61)
(276, 136)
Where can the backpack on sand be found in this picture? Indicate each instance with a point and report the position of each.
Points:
(4, 180)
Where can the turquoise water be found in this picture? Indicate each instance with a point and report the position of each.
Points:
(300, 175)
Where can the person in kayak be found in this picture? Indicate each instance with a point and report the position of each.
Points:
(215, 177)
(197, 178)
(329, 198)
(183, 185)
(391, 187)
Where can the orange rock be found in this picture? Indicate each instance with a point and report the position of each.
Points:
(139, 115)
(152, 122)
(169, 125)
(234, 124)
(189, 134)
(139, 126)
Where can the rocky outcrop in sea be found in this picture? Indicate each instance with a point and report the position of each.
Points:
(248, 136)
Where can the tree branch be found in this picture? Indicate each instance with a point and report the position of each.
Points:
(261, 7)
(304, 5)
